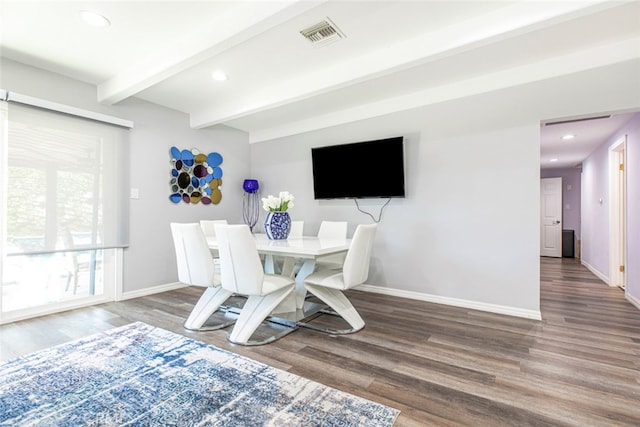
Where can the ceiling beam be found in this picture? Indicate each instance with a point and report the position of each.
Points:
(500, 24)
(234, 26)
(595, 57)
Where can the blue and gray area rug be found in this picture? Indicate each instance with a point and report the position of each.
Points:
(139, 375)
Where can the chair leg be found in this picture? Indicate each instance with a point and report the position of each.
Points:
(66, 288)
(255, 310)
(342, 306)
(209, 303)
(269, 264)
(75, 281)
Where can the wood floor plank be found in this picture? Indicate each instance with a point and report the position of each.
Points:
(440, 365)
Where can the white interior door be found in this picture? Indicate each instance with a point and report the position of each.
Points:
(551, 217)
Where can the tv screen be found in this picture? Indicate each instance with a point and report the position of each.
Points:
(359, 170)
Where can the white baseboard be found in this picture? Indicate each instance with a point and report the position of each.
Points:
(592, 269)
(456, 302)
(150, 291)
(633, 300)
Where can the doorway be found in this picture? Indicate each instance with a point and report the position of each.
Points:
(617, 213)
(551, 217)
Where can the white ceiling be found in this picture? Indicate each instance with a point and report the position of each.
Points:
(589, 131)
(396, 55)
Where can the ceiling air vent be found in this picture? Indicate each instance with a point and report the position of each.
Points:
(322, 33)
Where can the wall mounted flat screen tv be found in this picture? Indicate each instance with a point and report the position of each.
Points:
(359, 170)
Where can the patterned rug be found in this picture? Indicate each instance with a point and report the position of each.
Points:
(140, 375)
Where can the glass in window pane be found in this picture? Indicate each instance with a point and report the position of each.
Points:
(35, 280)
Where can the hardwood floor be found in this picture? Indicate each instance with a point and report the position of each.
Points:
(440, 365)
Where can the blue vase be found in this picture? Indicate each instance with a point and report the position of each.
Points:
(277, 225)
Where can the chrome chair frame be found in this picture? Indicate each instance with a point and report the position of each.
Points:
(328, 284)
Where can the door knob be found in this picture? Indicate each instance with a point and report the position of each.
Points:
(556, 222)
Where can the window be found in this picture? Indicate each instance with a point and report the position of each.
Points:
(64, 210)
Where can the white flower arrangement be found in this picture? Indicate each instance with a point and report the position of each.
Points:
(281, 203)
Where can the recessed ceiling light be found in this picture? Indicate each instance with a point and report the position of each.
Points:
(94, 19)
(553, 160)
(219, 76)
(568, 136)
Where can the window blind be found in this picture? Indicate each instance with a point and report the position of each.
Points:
(66, 182)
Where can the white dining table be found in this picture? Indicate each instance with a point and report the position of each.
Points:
(302, 251)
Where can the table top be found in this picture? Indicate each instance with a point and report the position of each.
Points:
(299, 247)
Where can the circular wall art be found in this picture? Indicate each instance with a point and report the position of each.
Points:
(195, 177)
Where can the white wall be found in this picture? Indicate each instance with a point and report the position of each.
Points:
(468, 231)
(632, 129)
(595, 212)
(595, 184)
(149, 260)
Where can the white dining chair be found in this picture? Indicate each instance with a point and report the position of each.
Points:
(297, 228)
(329, 284)
(242, 273)
(76, 262)
(197, 267)
(209, 228)
(332, 230)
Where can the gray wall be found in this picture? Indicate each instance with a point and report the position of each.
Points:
(149, 260)
(469, 226)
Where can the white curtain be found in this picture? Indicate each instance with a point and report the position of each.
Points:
(63, 207)
(66, 177)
